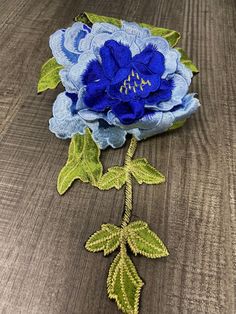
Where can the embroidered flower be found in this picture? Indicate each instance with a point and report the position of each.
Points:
(118, 81)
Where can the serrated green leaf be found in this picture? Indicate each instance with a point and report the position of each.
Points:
(124, 284)
(144, 241)
(68, 174)
(170, 35)
(91, 18)
(49, 75)
(177, 125)
(107, 239)
(187, 62)
(83, 162)
(114, 178)
(144, 172)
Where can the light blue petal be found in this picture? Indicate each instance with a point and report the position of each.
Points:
(73, 35)
(76, 71)
(134, 29)
(185, 72)
(119, 36)
(128, 40)
(61, 54)
(66, 128)
(69, 86)
(164, 123)
(90, 115)
(63, 123)
(99, 28)
(178, 92)
(85, 43)
(107, 136)
(189, 105)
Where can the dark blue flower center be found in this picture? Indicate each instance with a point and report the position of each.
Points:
(124, 84)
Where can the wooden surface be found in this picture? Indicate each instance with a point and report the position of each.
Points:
(44, 267)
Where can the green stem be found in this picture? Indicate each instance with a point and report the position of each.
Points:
(128, 187)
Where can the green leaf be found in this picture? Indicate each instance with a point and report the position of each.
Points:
(49, 75)
(144, 172)
(170, 35)
(114, 178)
(107, 239)
(144, 241)
(91, 18)
(177, 125)
(83, 162)
(124, 284)
(187, 62)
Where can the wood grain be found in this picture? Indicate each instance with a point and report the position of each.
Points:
(44, 267)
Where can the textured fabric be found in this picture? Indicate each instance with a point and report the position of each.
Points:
(127, 81)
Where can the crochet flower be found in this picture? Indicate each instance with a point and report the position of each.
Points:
(118, 81)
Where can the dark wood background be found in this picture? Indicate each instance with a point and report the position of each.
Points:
(44, 267)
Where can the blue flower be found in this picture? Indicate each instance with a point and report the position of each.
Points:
(118, 81)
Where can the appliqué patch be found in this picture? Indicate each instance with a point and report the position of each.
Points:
(120, 78)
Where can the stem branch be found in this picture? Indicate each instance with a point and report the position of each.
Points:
(128, 186)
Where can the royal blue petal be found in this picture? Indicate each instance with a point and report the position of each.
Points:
(162, 94)
(153, 59)
(128, 112)
(93, 73)
(97, 98)
(114, 56)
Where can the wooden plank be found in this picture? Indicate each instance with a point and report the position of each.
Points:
(44, 267)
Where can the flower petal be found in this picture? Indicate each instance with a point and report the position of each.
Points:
(180, 89)
(93, 72)
(64, 123)
(105, 135)
(164, 122)
(75, 74)
(90, 115)
(185, 72)
(171, 55)
(149, 120)
(114, 56)
(152, 58)
(189, 105)
(164, 93)
(128, 112)
(57, 45)
(73, 35)
(135, 29)
(97, 98)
